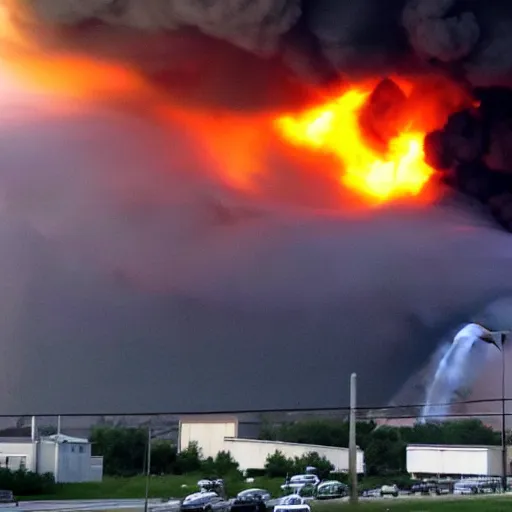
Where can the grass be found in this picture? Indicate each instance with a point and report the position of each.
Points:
(179, 486)
(428, 504)
(160, 487)
(464, 504)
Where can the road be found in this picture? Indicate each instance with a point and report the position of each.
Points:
(102, 505)
(75, 505)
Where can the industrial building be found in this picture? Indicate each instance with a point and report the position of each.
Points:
(216, 434)
(453, 460)
(69, 459)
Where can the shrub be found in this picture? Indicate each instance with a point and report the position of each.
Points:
(225, 464)
(26, 483)
(188, 460)
(322, 465)
(277, 465)
(163, 457)
(255, 472)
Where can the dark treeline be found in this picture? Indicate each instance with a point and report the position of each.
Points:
(124, 449)
(384, 447)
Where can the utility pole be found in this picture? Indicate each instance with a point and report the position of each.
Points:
(503, 336)
(148, 470)
(489, 336)
(352, 446)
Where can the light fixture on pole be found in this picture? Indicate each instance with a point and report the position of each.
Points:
(488, 336)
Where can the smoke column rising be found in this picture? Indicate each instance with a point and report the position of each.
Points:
(458, 368)
(135, 259)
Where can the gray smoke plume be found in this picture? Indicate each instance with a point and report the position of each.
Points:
(133, 290)
(341, 37)
(138, 282)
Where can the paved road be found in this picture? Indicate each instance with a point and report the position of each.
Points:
(101, 505)
(75, 505)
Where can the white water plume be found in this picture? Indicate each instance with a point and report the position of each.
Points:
(457, 369)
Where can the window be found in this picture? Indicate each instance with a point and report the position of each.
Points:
(81, 449)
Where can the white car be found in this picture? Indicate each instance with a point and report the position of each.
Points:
(389, 490)
(292, 503)
(297, 482)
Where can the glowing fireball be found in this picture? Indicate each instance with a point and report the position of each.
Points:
(397, 171)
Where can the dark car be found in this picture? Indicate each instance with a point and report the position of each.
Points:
(430, 487)
(331, 489)
(251, 500)
(8, 497)
(204, 502)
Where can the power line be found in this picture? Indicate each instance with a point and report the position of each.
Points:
(443, 404)
(269, 411)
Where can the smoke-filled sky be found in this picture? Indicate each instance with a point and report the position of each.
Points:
(138, 281)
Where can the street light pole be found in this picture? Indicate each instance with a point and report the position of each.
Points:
(352, 445)
(489, 337)
(503, 337)
(148, 470)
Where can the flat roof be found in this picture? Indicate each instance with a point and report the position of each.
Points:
(456, 446)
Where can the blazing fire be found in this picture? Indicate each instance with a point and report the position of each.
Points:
(396, 171)
(372, 133)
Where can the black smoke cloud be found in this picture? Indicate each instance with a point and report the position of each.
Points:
(318, 39)
(129, 291)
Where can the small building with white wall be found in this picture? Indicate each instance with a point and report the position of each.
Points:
(222, 433)
(453, 460)
(67, 458)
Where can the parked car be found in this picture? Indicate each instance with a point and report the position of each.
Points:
(425, 488)
(296, 482)
(251, 500)
(8, 497)
(204, 501)
(389, 490)
(371, 493)
(292, 503)
(477, 486)
(330, 490)
(263, 494)
(465, 487)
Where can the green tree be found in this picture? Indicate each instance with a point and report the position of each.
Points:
(163, 457)
(323, 466)
(278, 466)
(320, 432)
(224, 464)
(189, 459)
(385, 452)
(122, 448)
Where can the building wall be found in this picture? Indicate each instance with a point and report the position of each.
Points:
(494, 461)
(209, 435)
(12, 455)
(96, 469)
(451, 460)
(252, 453)
(74, 462)
(46, 457)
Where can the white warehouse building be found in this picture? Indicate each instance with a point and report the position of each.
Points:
(69, 459)
(221, 434)
(453, 460)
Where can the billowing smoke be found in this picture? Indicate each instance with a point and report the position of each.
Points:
(319, 39)
(147, 284)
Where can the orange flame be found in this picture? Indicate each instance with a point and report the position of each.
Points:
(238, 146)
(334, 128)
